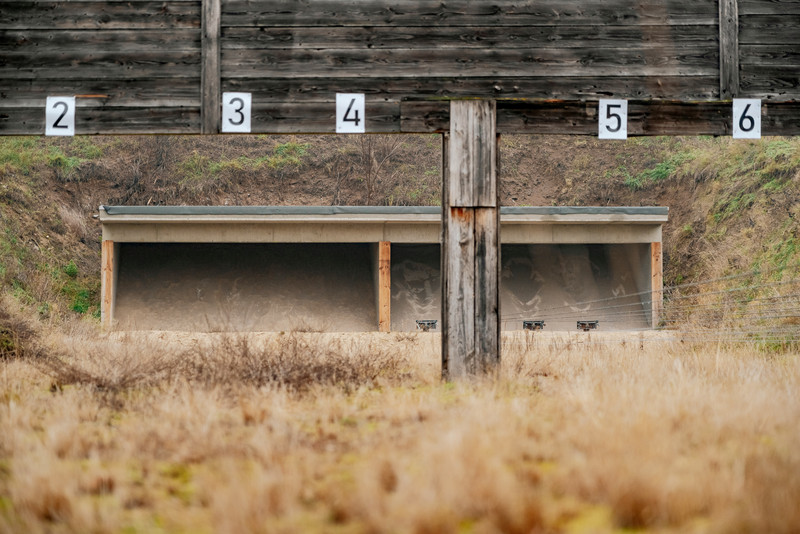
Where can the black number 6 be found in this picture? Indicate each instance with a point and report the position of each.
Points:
(58, 124)
(748, 117)
(237, 110)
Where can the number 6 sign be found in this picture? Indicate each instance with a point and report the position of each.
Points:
(236, 112)
(613, 119)
(746, 118)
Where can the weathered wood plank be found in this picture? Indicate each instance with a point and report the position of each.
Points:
(472, 154)
(462, 12)
(82, 41)
(573, 88)
(320, 117)
(180, 92)
(656, 283)
(769, 7)
(728, 49)
(765, 56)
(384, 286)
(377, 37)
(768, 84)
(107, 262)
(769, 29)
(288, 63)
(487, 294)
(105, 120)
(210, 89)
(458, 300)
(25, 15)
(99, 64)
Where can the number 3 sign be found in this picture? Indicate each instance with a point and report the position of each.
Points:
(746, 118)
(236, 112)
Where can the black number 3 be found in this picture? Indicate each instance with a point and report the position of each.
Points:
(237, 110)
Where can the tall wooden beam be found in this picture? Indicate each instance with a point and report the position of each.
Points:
(211, 95)
(470, 242)
(107, 267)
(656, 282)
(384, 286)
(728, 49)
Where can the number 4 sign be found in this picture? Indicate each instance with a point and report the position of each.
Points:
(350, 116)
(746, 118)
(613, 119)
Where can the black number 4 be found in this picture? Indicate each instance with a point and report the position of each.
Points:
(355, 120)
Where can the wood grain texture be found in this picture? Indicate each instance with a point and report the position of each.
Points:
(384, 286)
(210, 90)
(487, 292)
(107, 261)
(656, 282)
(769, 7)
(458, 301)
(93, 15)
(104, 120)
(728, 49)
(472, 178)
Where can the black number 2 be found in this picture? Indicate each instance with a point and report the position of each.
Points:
(237, 110)
(355, 120)
(58, 124)
(610, 115)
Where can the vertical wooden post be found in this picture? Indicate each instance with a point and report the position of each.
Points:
(211, 93)
(656, 282)
(107, 262)
(384, 286)
(470, 242)
(728, 49)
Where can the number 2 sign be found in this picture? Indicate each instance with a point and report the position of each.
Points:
(59, 117)
(350, 113)
(746, 118)
(613, 119)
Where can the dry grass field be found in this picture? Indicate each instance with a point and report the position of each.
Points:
(303, 432)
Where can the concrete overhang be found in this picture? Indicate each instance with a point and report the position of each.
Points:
(354, 224)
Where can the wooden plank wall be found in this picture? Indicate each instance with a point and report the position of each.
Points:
(142, 66)
(134, 64)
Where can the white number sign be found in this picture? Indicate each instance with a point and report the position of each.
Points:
(59, 117)
(746, 118)
(350, 116)
(613, 119)
(236, 112)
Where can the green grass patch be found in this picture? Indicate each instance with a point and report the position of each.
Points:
(19, 154)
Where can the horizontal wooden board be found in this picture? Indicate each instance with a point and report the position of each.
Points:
(768, 7)
(105, 120)
(88, 15)
(573, 88)
(562, 36)
(769, 83)
(783, 56)
(97, 64)
(464, 12)
(769, 29)
(80, 41)
(629, 61)
(320, 117)
(181, 92)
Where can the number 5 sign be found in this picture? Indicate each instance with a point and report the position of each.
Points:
(350, 116)
(613, 119)
(746, 118)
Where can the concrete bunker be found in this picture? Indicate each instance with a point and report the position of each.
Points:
(346, 269)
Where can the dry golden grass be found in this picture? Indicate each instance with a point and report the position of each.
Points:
(177, 434)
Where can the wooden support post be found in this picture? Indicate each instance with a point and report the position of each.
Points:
(728, 49)
(384, 286)
(107, 269)
(656, 282)
(211, 95)
(470, 242)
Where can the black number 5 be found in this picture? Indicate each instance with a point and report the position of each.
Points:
(617, 116)
(237, 110)
(57, 123)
